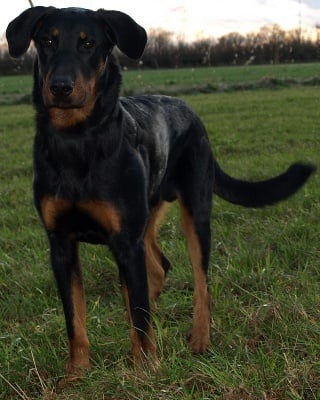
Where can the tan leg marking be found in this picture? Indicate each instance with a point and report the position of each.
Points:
(79, 344)
(51, 208)
(155, 271)
(200, 333)
(104, 213)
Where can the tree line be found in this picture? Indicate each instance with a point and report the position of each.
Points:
(271, 44)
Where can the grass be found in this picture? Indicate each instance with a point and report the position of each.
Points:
(193, 80)
(264, 272)
(17, 89)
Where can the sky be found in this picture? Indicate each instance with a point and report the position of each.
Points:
(193, 19)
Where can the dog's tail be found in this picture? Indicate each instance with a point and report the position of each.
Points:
(261, 193)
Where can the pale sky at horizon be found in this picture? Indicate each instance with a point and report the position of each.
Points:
(193, 19)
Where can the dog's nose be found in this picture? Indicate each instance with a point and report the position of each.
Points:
(61, 86)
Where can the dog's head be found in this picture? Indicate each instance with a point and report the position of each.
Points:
(73, 45)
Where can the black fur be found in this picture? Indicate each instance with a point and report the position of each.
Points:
(127, 155)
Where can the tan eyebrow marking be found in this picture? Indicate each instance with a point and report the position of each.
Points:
(55, 32)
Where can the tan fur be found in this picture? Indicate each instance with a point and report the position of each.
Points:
(104, 213)
(155, 271)
(64, 118)
(55, 32)
(200, 333)
(51, 208)
(79, 345)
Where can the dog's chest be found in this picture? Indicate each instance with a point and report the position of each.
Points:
(91, 220)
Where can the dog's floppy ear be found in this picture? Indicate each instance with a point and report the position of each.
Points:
(130, 37)
(20, 31)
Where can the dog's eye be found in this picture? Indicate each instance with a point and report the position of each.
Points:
(47, 42)
(87, 44)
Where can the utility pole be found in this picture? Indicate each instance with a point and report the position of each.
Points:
(300, 22)
(318, 40)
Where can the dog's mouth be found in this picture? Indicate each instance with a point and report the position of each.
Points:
(69, 112)
(75, 99)
(63, 105)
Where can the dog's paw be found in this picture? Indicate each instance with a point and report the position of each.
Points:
(199, 343)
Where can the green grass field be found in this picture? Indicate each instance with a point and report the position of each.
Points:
(14, 89)
(264, 273)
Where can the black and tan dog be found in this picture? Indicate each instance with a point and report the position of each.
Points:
(105, 167)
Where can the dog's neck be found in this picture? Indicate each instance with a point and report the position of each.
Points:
(107, 102)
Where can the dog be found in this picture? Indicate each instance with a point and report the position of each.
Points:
(106, 167)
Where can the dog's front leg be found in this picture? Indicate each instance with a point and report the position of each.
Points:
(133, 275)
(67, 271)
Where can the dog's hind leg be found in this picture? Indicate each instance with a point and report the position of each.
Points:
(194, 181)
(157, 263)
(198, 239)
